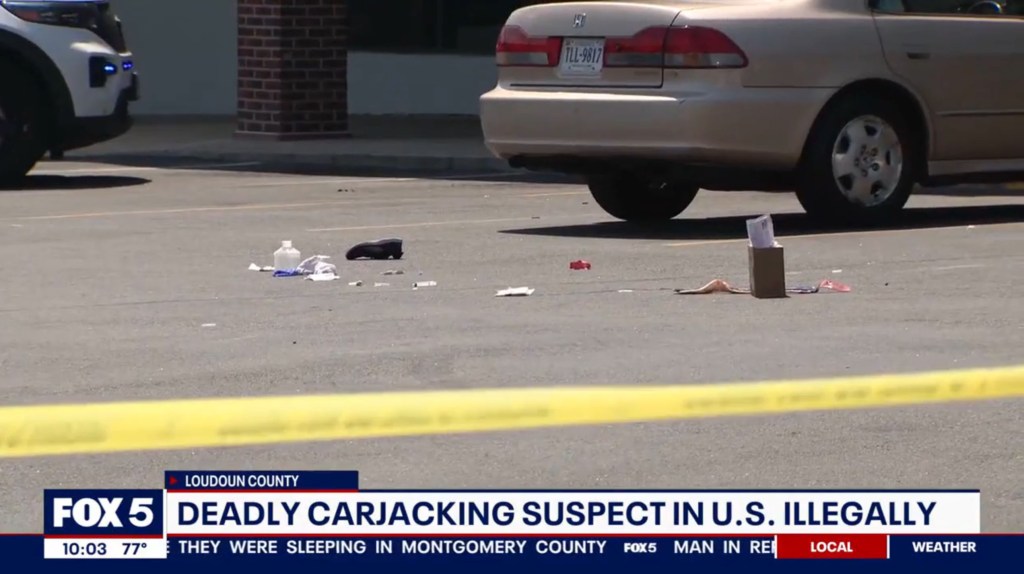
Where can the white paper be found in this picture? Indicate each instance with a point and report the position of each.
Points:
(419, 284)
(761, 232)
(316, 264)
(515, 292)
(254, 267)
(322, 277)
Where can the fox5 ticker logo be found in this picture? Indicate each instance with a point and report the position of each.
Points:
(106, 513)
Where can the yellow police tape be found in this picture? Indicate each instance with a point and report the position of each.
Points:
(114, 427)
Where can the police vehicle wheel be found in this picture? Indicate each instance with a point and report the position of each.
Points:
(21, 128)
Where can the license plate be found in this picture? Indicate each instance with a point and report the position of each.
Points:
(582, 57)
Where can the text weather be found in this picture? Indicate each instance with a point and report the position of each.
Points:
(297, 514)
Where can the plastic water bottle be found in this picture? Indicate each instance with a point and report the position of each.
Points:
(286, 257)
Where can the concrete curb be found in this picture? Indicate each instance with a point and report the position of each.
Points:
(435, 165)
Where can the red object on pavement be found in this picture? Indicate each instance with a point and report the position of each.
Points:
(579, 265)
(834, 286)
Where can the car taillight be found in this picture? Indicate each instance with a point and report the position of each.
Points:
(516, 48)
(698, 47)
(644, 50)
(684, 47)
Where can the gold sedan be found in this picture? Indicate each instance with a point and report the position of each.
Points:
(849, 103)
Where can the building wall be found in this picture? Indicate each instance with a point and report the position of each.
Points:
(181, 44)
(418, 83)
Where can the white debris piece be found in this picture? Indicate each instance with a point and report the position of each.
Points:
(209, 324)
(625, 290)
(330, 276)
(382, 285)
(254, 267)
(316, 264)
(515, 292)
(837, 270)
(419, 284)
(356, 284)
(393, 272)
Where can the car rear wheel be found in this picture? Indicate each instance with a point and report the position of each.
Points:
(860, 163)
(21, 141)
(641, 199)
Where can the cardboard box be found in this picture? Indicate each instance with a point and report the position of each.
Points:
(767, 272)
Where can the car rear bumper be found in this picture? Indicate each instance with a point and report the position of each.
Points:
(744, 127)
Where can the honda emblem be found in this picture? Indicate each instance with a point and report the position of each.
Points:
(579, 20)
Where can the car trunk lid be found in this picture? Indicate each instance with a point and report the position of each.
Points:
(593, 44)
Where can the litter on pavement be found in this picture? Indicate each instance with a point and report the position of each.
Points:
(356, 284)
(720, 286)
(286, 257)
(316, 267)
(515, 292)
(287, 273)
(579, 265)
(766, 259)
(390, 248)
(419, 284)
(393, 272)
(315, 264)
(382, 285)
(329, 276)
(254, 267)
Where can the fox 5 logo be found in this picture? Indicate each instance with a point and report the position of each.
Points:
(103, 512)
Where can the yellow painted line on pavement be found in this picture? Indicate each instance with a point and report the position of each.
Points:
(259, 206)
(175, 424)
(255, 206)
(440, 223)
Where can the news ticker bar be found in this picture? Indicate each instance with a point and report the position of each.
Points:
(780, 547)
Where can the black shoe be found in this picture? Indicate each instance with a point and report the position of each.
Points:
(379, 249)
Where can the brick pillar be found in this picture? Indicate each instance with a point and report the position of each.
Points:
(292, 69)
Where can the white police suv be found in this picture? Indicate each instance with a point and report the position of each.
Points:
(66, 77)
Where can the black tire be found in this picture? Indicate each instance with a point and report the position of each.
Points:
(22, 127)
(639, 199)
(822, 194)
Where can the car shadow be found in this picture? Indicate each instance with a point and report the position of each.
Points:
(300, 167)
(734, 227)
(66, 182)
(969, 190)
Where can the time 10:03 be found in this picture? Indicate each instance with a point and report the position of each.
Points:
(90, 549)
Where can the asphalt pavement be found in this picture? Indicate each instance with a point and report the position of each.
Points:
(127, 282)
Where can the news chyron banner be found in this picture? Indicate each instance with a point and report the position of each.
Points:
(274, 519)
